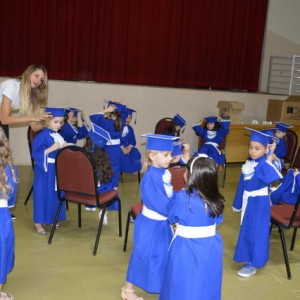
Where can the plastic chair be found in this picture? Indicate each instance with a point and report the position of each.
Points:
(162, 125)
(286, 216)
(30, 136)
(77, 183)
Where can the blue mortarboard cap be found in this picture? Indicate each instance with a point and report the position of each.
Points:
(72, 109)
(178, 149)
(119, 107)
(270, 132)
(179, 120)
(56, 111)
(130, 111)
(160, 142)
(260, 137)
(98, 135)
(211, 119)
(282, 126)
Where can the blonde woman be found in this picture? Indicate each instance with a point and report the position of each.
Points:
(28, 94)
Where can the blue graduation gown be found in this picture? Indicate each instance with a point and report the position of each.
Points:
(151, 237)
(281, 149)
(195, 265)
(45, 200)
(72, 133)
(288, 190)
(114, 151)
(253, 240)
(215, 137)
(131, 162)
(7, 236)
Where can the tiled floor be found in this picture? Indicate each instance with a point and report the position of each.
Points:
(66, 269)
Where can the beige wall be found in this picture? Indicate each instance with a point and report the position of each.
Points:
(153, 103)
(282, 37)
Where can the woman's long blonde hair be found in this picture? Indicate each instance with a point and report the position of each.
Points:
(5, 159)
(33, 100)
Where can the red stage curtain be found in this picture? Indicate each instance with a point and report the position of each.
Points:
(190, 43)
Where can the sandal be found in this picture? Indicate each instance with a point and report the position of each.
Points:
(6, 296)
(132, 295)
(39, 230)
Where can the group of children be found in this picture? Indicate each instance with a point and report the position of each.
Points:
(177, 264)
(63, 129)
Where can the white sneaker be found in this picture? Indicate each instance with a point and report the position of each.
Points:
(247, 271)
(105, 219)
(87, 208)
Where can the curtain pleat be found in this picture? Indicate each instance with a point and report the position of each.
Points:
(178, 43)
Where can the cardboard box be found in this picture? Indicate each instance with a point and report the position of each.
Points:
(287, 111)
(231, 110)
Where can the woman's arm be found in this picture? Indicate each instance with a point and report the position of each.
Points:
(7, 119)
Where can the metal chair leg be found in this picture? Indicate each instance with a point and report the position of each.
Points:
(127, 231)
(55, 222)
(120, 217)
(28, 196)
(293, 239)
(286, 258)
(99, 231)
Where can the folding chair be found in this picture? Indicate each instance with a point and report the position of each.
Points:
(77, 183)
(296, 161)
(135, 209)
(291, 145)
(30, 136)
(177, 171)
(286, 216)
(162, 125)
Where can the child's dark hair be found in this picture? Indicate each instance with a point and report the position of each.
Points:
(101, 160)
(216, 127)
(202, 177)
(171, 130)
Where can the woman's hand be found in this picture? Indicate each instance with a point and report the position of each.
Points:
(41, 117)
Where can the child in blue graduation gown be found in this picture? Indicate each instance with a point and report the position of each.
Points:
(181, 154)
(152, 231)
(94, 146)
(71, 131)
(213, 131)
(253, 201)
(178, 123)
(194, 266)
(288, 190)
(8, 193)
(45, 147)
(130, 156)
(280, 132)
(112, 119)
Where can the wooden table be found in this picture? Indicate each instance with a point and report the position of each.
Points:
(237, 141)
